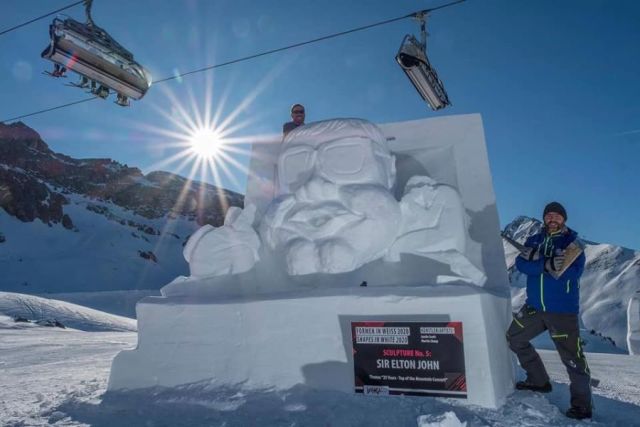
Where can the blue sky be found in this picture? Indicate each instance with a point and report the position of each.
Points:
(556, 82)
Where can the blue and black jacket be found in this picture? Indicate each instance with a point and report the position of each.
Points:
(544, 292)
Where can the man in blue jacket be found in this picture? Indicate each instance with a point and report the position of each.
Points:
(552, 304)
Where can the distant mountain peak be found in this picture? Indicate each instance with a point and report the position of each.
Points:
(19, 132)
(522, 227)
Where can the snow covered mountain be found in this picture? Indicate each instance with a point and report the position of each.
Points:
(69, 225)
(611, 277)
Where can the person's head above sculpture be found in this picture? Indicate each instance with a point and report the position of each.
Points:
(340, 152)
(297, 114)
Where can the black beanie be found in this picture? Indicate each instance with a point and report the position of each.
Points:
(555, 207)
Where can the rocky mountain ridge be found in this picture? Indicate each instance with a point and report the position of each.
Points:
(35, 182)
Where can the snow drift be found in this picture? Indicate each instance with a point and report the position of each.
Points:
(74, 316)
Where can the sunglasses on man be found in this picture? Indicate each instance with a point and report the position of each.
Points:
(298, 111)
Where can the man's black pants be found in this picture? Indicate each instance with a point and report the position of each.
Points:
(527, 324)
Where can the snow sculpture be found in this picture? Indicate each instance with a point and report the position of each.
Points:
(633, 324)
(406, 207)
(334, 211)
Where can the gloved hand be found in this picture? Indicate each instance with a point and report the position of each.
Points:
(530, 254)
(555, 263)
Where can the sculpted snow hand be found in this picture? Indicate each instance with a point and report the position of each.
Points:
(229, 249)
(334, 210)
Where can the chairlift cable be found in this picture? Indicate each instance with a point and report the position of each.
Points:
(246, 58)
(50, 109)
(40, 17)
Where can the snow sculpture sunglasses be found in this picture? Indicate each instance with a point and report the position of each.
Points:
(344, 161)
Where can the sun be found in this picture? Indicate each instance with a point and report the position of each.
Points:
(206, 143)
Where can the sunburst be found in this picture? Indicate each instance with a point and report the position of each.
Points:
(206, 142)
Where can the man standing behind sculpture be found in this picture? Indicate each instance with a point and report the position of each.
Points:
(297, 119)
(552, 304)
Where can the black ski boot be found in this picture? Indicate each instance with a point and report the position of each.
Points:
(527, 385)
(578, 413)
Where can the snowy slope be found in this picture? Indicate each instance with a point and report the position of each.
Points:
(105, 252)
(611, 277)
(51, 376)
(32, 308)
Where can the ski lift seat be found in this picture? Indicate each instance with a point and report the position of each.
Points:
(413, 60)
(91, 52)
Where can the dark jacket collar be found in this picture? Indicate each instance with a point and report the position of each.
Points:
(565, 233)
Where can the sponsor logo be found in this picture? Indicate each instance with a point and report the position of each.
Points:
(376, 390)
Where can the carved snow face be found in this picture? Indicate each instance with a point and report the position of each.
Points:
(334, 211)
(349, 151)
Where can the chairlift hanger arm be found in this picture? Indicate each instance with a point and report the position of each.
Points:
(421, 16)
(87, 10)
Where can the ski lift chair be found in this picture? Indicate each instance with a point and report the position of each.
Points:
(91, 52)
(412, 58)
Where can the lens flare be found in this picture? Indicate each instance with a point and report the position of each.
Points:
(206, 143)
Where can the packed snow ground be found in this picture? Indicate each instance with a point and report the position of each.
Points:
(52, 376)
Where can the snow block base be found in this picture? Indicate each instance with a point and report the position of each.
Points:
(305, 338)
